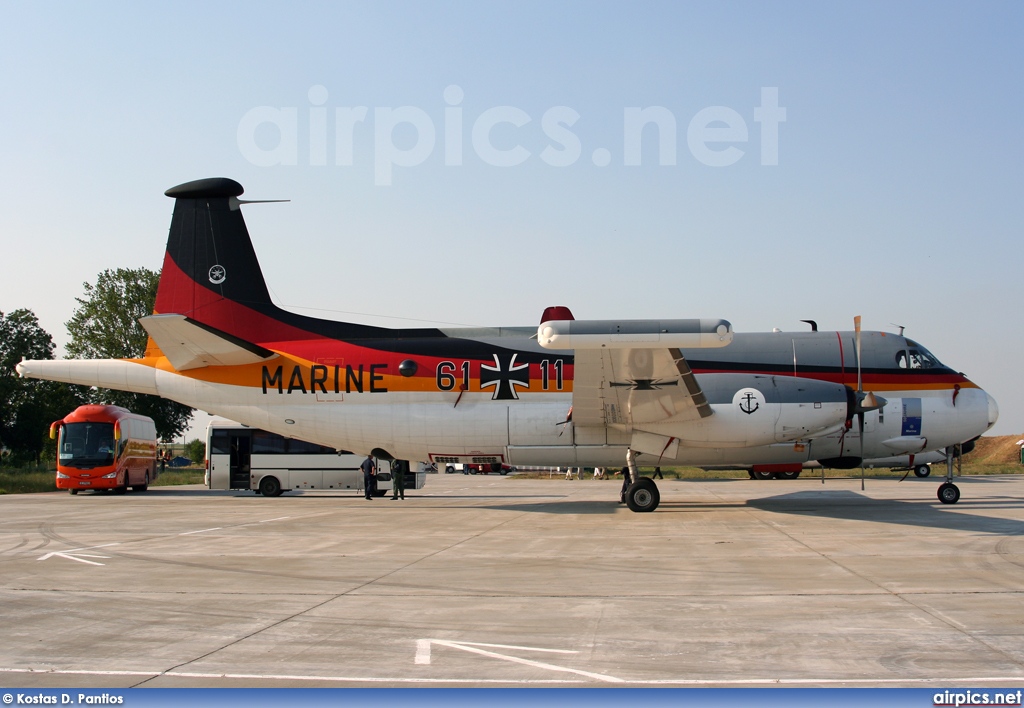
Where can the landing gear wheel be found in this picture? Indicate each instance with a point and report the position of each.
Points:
(643, 495)
(764, 475)
(922, 471)
(949, 493)
(270, 487)
(789, 475)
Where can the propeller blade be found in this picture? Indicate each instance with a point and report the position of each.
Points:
(860, 424)
(856, 329)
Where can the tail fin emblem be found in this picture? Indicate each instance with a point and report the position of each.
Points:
(218, 274)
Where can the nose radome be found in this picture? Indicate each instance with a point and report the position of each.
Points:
(993, 410)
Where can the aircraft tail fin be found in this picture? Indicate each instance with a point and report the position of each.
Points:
(210, 262)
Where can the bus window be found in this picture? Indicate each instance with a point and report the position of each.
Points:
(86, 444)
(264, 443)
(301, 447)
(220, 442)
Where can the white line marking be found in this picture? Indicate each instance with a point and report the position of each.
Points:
(69, 554)
(189, 533)
(423, 656)
(944, 680)
(280, 518)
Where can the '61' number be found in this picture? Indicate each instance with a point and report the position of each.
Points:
(446, 375)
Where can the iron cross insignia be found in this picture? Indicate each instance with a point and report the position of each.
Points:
(644, 384)
(505, 380)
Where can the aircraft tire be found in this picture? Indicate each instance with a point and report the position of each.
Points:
(948, 493)
(270, 487)
(788, 475)
(643, 495)
(922, 471)
(764, 475)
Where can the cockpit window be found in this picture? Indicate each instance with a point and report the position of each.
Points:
(919, 358)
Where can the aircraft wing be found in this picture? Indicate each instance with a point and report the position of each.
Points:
(632, 372)
(188, 344)
(633, 387)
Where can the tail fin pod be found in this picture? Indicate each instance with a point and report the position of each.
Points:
(209, 258)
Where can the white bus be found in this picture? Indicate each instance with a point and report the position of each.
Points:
(240, 457)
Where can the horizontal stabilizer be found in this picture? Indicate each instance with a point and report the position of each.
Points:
(188, 344)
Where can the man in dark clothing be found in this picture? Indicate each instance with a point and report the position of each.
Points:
(398, 468)
(369, 468)
(626, 481)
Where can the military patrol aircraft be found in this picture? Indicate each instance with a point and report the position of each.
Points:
(569, 392)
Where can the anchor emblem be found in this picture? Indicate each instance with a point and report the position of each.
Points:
(748, 404)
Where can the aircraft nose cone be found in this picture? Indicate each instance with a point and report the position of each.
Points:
(993, 411)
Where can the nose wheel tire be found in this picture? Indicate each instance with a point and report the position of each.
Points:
(949, 493)
(643, 495)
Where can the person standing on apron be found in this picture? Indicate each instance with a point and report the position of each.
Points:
(369, 468)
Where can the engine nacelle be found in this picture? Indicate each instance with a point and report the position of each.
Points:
(753, 409)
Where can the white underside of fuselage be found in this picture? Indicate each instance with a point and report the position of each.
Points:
(529, 431)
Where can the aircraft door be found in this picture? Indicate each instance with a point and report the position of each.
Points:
(240, 460)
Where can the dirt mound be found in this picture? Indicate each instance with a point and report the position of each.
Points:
(995, 450)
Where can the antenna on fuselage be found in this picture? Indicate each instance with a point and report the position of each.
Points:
(900, 326)
(813, 324)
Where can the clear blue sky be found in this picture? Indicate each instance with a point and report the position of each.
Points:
(896, 195)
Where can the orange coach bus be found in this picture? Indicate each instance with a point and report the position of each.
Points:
(105, 447)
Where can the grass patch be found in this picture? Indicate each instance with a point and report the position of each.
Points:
(182, 475)
(37, 479)
(27, 481)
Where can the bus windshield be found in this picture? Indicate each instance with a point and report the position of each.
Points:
(86, 444)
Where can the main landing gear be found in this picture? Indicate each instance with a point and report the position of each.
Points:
(642, 494)
(948, 492)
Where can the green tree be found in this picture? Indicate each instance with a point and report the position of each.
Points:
(195, 450)
(28, 406)
(106, 326)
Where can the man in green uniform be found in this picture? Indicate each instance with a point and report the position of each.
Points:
(398, 470)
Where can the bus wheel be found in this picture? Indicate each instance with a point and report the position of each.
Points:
(124, 487)
(270, 487)
(142, 487)
(72, 491)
